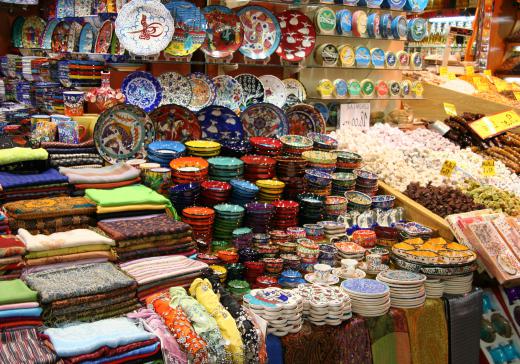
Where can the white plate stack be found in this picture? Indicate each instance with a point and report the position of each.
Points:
(324, 305)
(406, 288)
(434, 288)
(458, 284)
(282, 309)
(369, 297)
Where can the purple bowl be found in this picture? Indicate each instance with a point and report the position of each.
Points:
(318, 177)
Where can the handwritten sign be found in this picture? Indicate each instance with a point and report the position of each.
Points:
(447, 168)
(356, 116)
(450, 109)
(490, 126)
(488, 168)
(517, 95)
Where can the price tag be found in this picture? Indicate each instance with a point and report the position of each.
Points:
(443, 71)
(501, 85)
(355, 116)
(447, 168)
(488, 167)
(470, 70)
(450, 109)
(517, 95)
(490, 126)
(481, 86)
(452, 76)
(488, 73)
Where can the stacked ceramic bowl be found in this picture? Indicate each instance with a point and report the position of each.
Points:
(308, 251)
(348, 161)
(370, 298)
(225, 168)
(203, 148)
(291, 261)
(227, 218)
(189, 169)
(328, 254)
(295, 145)
(214, 192)
(273, 265)
(270, 189)
(235, 148)
(266, 281)
(261, 240)
(243, 191)
(366, 182)
(323, 142)
(358, 201)
(281, 236)
(163, 152)
(258, 216)
(201, 221)
(242, 237)
(458, 284)
(238, 288)
(258, 167)
(282, 309)
(332, 229)
(253, 271)
(406, 288)
(290, 278)
(312, 208)
(343, 182)
(349, 250)
(384, 202)
(324, 305)
(314, 232)
(323, 161)
(318, 182)
(434, 288)
(266, 146)
(285, 214)
(296, 232)
(335, 206)
(184, 195)
(291, 170)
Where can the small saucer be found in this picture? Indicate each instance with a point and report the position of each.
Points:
(310, 277)
(340, 272)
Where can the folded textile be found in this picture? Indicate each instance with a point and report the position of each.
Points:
(34, 166)
(16, 291)
(76, 161)
(57, 157)
(108, 254)
(127, 214)
(125, 291)
(12, 197)
(94, 314)
(32, 189)
(15, 306)
(68, 239)
(167, 243)
(11, 180)
(58, 284)
(78, 339)
(128, 297)
(152, 239)
(29, 322)
(10, 260)
(114, 173)
(155, 252)
(25, 346)
(67, 251)
(11, 245)
(17, 154)
(52, 224)
(85, 144)
(148, 208)
(12, 266)
(108, 185)
(40, 268)
(93, 165)
(49, 207)
(88, 150)
(133, 355)
(21, 312)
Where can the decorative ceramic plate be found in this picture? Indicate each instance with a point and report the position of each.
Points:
(298, 36)
(323, 109)
(16, 32)
(365, 287)
(176, 89)
(174, 122)
(190, 28)
(224, 34)
(401, 276)
(266, 120)
(229, 92)
(115, 46)
(60, 37)
(121, 133)
(144, 27)
(32, 32)
(104, 37)
(83, 8)
(203, 91)
(295, 91)
(262, 32)
(64, 9)
(87, 37)
(218, 122)
(73, 39)
(274, 90)
(304, 118)
(252, 89)
(47, 34)
(143, 90)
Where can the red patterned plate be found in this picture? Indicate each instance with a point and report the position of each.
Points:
(298, 36)
(60, 37)
(104, 38)
(225, 34)
(175, 122)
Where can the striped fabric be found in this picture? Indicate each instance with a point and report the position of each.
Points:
(24, 346)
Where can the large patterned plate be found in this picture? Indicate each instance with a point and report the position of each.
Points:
(60, 37)
(87, 38)
(64, 9)
(274, 90)
(252, 89)
(144, 27)
(298, 36)
(363, 286)
(190, 28)
(266, 120)
(220, 123)
(122, 132)
(261, 32)
(104, 37)
(229, 92)
(295, 91)
(73, 39)
(47, 34)
(175, 122)
(303, 119)
(225, 34)
(143, 90)
(32, 32)
(16, 32)
(176, 89)
(203, 91)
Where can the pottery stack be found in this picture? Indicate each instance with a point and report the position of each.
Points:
(369, 298)
(406, 288)
(324, 305)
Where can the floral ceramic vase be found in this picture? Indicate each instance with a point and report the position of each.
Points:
(105, 96)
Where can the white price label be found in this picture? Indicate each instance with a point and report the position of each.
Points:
(355, 116)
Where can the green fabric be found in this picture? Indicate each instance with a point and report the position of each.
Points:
(16, 291)
(384, 342)
(66, 251)
(13, 155)
(129, 195)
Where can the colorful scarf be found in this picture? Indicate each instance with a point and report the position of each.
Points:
(127, 229)
(49, 207)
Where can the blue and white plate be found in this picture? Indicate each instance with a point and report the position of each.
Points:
(176, 89)
(144, 27)
(229, 92)
(262, 33)
(87, 38)
(47, 34)
(143, 90)
(219, 122)
(365, 287)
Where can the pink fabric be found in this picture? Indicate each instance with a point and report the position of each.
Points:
(14, 306)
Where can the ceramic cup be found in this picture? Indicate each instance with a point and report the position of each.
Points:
(349, 265)
(373, 261)
(322, 272)
(45, 131)
(159, 179)
(35, 119)
(73, 102)
(68, 130)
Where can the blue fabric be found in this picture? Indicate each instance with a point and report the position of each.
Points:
(21, 312)
(140, 351)
(50, 176)
(85, 338)
(274, 349)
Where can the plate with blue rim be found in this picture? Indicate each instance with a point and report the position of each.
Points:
(220, 123)
(87, 38)
(142, 89)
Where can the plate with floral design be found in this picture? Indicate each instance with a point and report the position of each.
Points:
(266, 120)
(229, 92)
(220, 123)
(262, 32)
(274, 90)
(32, 32)
(298, 36)
(60, 37)
(303, 119)
(47, 34)
(104, 37)
(143, 90)
(87, 37)
(296, 92)
(252, 89)
(224, 34)
(176, 89)
(175, 122)
(203, 91)
(190, 28)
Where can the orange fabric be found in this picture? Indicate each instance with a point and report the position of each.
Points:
(108, 185)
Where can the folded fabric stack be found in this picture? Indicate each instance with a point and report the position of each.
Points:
(73, 155)
(4, 223)
(159, 273)
(87, 292)
(16, 186)
(11, 262)
(23, 160)
(71, 246)
(117, 175)
(18, 306)
(49, 215)
(135, 200)
(116, 340)
(25, 345)
(148, 236)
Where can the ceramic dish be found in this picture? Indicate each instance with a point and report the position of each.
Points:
(176, 89)
(46, 42)
(16, 32)
(303, 119)
(190, 28)
(203, 91)
(252, 89)
(219, 122)
(32, 32)
(143, 90)
(87, 37)
(262, 32)
(175, 122)
(229, 92)
(104, 37)
(225, 32)
(264, 120)
(298, 36)
(60, 36)
(295, 91)
(274, 90)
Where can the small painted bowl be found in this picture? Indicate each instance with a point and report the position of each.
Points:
(318, 177)
(358, 198)
(384, 202)
(291, 261)
(313, 229)
(296, 232)
(316, 156)
(349, 157)
(273, 265)
(228, 256)
(323, 141)
(365, 177)
(287, 247)
(296, 141)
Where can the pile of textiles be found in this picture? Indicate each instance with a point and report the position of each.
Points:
(73, 155)
(11, 262)
(115, 340)
(25, 345)
(74, 247)
(159, 273)
(23, 160)
(135, 200)
(86, 292)
(148, 236)
(117, 175)
(18, 306)
(49, 215)
(48, 183)
(4, 223)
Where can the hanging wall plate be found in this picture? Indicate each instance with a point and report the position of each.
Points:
(174, 122)
(143, 90)
(190, 28)
(262, 32)
(298, 36)
(229, 92)
(203, 91)
(252, 89)
(104, 37)
(224, 34)
(176, 89)
(274, 90)
(32, 32)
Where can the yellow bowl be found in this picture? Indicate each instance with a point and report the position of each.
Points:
(270, 183)
(202, 144)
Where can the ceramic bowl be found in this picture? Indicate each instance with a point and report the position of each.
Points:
(296, 141)
(318, 177)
